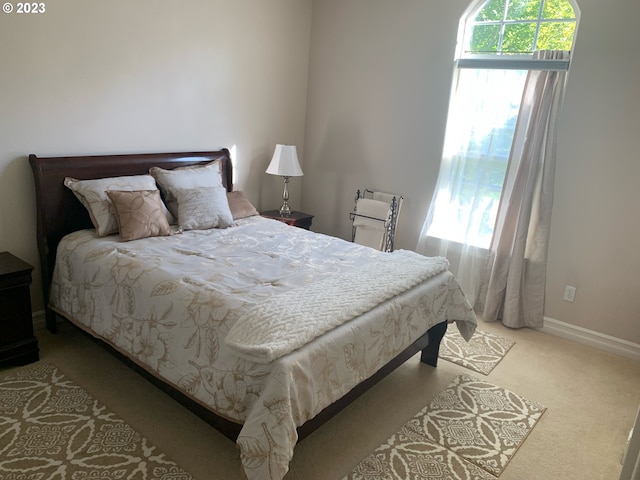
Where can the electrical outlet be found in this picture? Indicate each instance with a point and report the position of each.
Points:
(569, 293)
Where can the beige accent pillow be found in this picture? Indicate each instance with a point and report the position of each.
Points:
(140, 214)
(208, 175)
(92, 194)
(240, 206)
(201, 208)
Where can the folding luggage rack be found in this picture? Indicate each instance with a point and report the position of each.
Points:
(374, 219)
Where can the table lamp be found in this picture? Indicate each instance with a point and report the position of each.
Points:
(285, 164)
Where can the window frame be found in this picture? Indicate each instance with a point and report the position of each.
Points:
(500, 60)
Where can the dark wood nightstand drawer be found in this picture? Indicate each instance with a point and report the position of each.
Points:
(296, 219)
(18, 345)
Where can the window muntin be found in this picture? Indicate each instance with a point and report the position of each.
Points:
(512, 27)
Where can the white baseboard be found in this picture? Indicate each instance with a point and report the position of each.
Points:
(591, 338)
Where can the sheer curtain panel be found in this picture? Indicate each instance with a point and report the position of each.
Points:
(459, 224)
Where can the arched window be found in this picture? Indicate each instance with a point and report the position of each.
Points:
(496, 44)
(504, 27)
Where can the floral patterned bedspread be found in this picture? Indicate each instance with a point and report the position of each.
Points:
(169, 302)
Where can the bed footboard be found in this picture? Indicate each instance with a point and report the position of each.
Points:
(429, 344)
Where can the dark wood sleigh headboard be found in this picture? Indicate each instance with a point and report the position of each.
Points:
(59, 212)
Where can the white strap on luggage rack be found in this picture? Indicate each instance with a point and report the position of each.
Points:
(374, 219)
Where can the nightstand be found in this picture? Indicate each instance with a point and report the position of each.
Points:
(296, 219)
(18, 345)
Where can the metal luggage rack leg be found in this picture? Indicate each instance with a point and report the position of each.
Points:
(390, 223)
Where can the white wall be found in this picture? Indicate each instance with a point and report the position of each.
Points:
(379, 86)
(595, 226)
(121, 76)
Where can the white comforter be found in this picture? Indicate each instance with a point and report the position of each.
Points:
(288, 321)
(170, 302)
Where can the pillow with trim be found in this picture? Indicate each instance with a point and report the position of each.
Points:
(92, 194)
(208, 175)
(140, 214)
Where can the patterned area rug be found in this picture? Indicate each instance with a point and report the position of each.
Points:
(52, 428)
(481, 354)
(470, 431)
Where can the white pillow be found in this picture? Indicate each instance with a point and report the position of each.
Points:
(201, 208)
(208, 175)
(93, 195)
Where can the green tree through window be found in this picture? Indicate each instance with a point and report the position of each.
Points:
(520, 27)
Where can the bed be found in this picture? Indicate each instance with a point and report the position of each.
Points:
(264, 330)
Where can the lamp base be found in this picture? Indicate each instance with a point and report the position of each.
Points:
(285, 211)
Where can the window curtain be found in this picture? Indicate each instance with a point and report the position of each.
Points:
(515, 276)
(506, 281)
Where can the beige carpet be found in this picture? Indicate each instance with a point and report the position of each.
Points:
(52, 428)
(481, 354)
(470, 430)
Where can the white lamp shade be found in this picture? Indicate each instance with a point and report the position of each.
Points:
(285, 162)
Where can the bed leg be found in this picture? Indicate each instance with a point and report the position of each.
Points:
(50, 319)
(430, 353)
